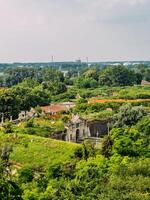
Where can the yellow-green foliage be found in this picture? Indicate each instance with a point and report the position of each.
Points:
(40, 126)
(98, 116)
(36, 151)
(135, 92)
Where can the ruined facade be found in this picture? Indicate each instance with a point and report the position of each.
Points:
(23, 115)
(79, 129)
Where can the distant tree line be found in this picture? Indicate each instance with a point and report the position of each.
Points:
(26, 87)
(108, 76)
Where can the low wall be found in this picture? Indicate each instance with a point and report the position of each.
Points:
(98, 128)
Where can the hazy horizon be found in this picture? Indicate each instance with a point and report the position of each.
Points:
(102, 30)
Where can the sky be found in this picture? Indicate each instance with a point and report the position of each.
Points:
(102, 30)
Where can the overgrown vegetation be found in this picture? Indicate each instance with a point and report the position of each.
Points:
(48, 169)
(35, 167)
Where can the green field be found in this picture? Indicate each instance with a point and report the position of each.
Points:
(37, 152)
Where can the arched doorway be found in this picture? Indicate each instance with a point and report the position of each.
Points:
(77, 135)
(64, 137)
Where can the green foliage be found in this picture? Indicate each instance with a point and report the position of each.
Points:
(107, 146)
(90, 108)
(91, 73)
(34, 151)
(86, 83)
(42, 126)
(29, 123)
(8, 127)
(48, 169)
(101, 115)
(71, 171)
(136, 92)
(117, 76)
(81, 100)
(30, 97)
(126, 142)
(8, 103)
(17, 75)
(29, 89)
(8, 188)
(38, 110)
(144, 71)
(144, 126)
(64, 97)
(54, 87)
(129, 115)
(26, 174)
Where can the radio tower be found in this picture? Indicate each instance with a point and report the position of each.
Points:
(87, 61)
(52, 60)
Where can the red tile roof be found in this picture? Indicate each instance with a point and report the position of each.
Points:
(55, 108)
(145, 82)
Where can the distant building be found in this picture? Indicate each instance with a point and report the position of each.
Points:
(78, 61)
(65, 72)
(145, 82)
(77, 129)
(27, 114)
(55, 108)
(78, 96)
(51, 109)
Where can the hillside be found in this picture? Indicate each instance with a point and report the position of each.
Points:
(36, 151)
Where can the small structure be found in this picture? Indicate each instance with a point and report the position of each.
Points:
(78, 96)
(65, 72)
(143, 83)
(76, 130)
(23, 115)
(109, 109)
(79, 129)
(55, 108)
(51, 109)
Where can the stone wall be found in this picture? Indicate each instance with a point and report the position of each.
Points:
(78, 131)
(98, 128)
(61, 135)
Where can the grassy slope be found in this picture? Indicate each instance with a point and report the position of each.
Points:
(41, 126)
(37, 151)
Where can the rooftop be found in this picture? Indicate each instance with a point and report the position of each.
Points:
(55, 108)
(145, 82)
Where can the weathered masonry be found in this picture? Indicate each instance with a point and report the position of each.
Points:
(79, 129)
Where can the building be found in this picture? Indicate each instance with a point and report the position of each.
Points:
(65, 72)
(55, 108)
(77, 129)
(23, 115)
(143, 83)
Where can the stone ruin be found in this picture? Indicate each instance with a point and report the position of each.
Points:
(78, 129)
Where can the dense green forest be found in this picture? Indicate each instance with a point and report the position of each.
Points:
(35, 167)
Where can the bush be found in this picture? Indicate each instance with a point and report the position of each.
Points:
(8, 127)
(26, 174)
(128, 115)
(144, 126)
